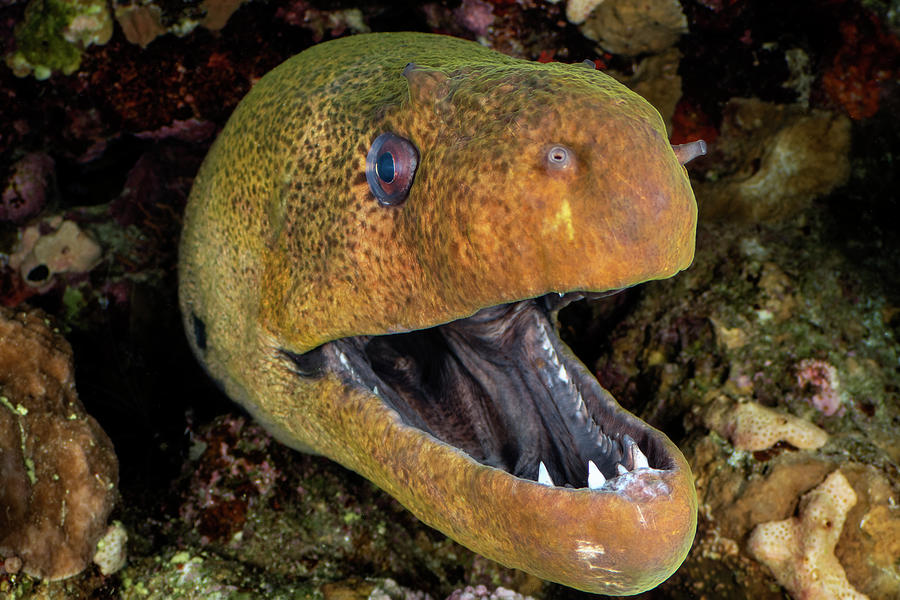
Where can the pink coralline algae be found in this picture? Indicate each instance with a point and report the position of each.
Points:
(482, 592)
(822, 379)
(476, 16)
(26, 190)
(232, 473)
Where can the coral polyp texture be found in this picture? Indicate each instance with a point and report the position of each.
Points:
(629, 27)
(58, 467)
(800, 550)
(751, 426)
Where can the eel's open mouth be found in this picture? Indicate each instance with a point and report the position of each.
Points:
(502, 387)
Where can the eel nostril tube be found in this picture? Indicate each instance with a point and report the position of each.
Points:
(688, 152)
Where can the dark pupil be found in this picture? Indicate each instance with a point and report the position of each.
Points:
(385, 167)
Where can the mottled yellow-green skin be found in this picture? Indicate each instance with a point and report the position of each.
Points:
(285, 248)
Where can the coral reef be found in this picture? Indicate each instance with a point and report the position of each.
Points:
(243, 492)
(322, 23)
(791, 307)
(772, 160)
(59, 471)
(865, 63)
(482, 592)
(656, 79)
(869, 547)
(750, 426)
(141, 23)
(800, 550)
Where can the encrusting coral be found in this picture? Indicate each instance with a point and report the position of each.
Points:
(751, 426)
(630, 27)
(776, 159)
(800, 550)
(58, 467)
(40, 254)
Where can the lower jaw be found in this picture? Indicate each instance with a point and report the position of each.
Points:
(624, 538)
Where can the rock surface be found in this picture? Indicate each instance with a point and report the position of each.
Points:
(57, 467)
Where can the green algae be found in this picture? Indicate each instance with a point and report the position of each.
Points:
(54, 34)
(192, 574)
(20, 410)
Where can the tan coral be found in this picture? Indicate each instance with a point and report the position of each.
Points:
(58, 468)
(773, 160)
(67, 249)
(800, 550)
(656, 78)
(629, 27)
(751, 426)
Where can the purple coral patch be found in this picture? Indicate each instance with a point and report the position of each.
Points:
(26, 190)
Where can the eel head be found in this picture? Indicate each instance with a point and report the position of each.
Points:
(403, 322)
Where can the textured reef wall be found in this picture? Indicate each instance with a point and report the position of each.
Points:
(771, 362)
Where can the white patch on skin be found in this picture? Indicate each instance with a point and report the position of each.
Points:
(589, 552)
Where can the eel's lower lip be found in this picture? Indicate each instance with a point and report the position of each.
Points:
(473, 423)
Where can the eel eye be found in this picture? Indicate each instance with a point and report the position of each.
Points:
(390, 168)
(559, 158)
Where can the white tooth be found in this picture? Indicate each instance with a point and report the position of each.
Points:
(375, 390)
(545, 340)
(563, 375)
(344, 360)
(620, 469)
(543, 475)
(640, 461)
(595, 477)
(561, 294)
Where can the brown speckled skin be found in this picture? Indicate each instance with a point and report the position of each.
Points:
(284, 247)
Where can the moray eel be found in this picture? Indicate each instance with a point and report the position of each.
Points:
(373, 255)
